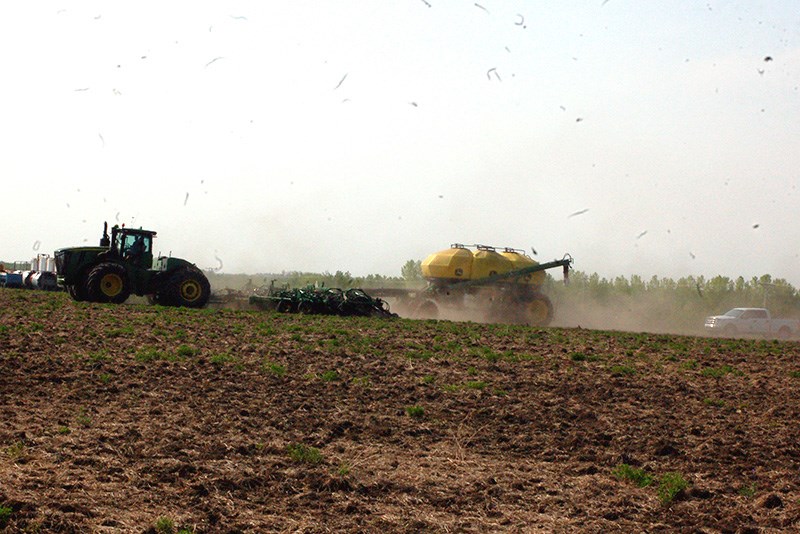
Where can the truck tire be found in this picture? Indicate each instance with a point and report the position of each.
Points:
(187, 287)
(784, 332)
(108, 282)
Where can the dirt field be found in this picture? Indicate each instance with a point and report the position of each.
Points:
(134, 418)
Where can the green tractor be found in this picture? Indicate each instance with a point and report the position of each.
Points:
(123, 264)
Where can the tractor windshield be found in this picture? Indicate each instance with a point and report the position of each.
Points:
(135, 246)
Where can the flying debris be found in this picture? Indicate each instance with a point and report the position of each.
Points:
(186, 199)
(219, 267)
(641, 235)
(760, 71)
(426, 3)
(238, 18)
(493, 70)
(413, 104)
(481, 7)
(691, 255)
(102, 140)
(756, 225)
(213, 60)
(579, 119)
(579, 212)
(521, 20)
(604, 2)
(82, 89)
(534, 251)
(768, 58)
(37, 244)
(341, 81)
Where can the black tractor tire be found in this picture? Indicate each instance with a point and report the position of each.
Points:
(186, 287)
(77, 292)
(108, 282)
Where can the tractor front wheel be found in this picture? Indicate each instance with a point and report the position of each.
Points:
(108, 282)
(77, 292)
(187, 287)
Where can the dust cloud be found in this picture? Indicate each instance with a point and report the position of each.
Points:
(640, 313)
(634, 313)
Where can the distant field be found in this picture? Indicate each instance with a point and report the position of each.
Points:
(136, 418)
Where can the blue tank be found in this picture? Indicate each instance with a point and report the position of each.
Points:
(12, 279)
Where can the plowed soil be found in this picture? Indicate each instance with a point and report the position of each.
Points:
(134, 418)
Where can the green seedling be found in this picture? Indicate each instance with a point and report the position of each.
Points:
(273, 368)
(329, 376)
(221, 359)
(670, 485)
(719, 372)
(304, 454)
(622, 370)
(415, 412)
(748, 491)
(5, 515)
(633, 474)
(185, 351)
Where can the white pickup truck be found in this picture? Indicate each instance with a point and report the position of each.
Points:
(752, 321)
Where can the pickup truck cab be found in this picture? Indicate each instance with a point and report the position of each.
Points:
(752, 321)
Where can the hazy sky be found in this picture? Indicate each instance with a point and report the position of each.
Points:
(651, 138)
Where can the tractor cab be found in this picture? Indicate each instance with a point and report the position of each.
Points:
(133, 246)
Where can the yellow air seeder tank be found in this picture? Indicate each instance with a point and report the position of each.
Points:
(459, 264)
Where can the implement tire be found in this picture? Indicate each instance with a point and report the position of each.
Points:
(107, 282)
(539, 310)
(186, 287)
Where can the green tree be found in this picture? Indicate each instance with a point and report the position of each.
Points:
(412, 270)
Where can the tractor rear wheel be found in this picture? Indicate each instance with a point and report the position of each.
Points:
(108, 282)
(186, 287)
